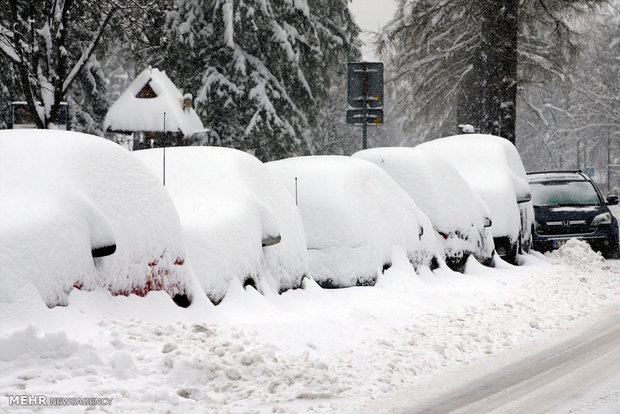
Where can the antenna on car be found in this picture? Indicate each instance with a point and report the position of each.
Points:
(164, 163)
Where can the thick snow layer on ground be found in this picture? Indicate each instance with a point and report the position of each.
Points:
(130, 113)
(311, 350)
(63, 194)
(353, 215)
(442, 194)
(492, 166)
(228, 203)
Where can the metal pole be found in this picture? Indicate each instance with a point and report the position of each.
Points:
(295, 190)
(164, 166)
(608, 164)
(585, 155)
(364, 113)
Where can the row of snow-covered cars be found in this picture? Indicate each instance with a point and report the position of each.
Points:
(81, 212)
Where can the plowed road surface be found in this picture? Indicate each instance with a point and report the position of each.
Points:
(543, 382)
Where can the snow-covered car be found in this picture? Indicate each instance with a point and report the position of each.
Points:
(493, 168)
(78, 211)
(457, 213)
(354, 214)
(239, 222)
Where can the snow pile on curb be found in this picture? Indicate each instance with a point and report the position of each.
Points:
(578, 253)
(310, 350)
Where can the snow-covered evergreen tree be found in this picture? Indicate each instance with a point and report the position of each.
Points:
(574, 120)
(8, 86)
(338, 38)
(49, 44)
(262, 70)
(460, 61)
(55, 47)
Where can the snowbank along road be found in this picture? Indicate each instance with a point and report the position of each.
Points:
(357, 350)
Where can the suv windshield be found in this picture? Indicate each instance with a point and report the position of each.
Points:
(564, 193)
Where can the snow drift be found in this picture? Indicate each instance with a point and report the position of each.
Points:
(229, 204)
(455, 210)
(353, 215)
(67, 196)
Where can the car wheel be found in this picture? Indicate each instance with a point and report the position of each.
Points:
(512, 256)
(612, 252)
(529, 245)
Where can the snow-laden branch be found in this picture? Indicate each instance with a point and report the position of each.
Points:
(536, 110)
(87, 53)
(6, 44)
(565, 112)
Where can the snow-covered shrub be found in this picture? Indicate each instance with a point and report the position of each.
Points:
(229, 204)
(64, 195)
(456, 211)
(353, 215)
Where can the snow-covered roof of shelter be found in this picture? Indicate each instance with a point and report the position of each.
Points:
(133, 113)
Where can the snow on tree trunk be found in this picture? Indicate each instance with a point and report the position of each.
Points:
(487, 99)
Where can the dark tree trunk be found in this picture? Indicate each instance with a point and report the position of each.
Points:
(488, 96)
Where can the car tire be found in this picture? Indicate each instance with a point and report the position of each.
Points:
(512, 255)
(612, 252)
(530, 243)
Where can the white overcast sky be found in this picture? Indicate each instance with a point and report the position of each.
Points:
(370, 15)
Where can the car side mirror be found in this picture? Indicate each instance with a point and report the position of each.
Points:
(524, 197)
(612, 200)
(487, 222)
(271, 240)
(103, 250)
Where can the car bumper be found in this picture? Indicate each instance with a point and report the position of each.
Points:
(603, 239)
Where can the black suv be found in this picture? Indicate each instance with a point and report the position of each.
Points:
(568, 205)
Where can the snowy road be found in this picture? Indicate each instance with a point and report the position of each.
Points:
(543, 382)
